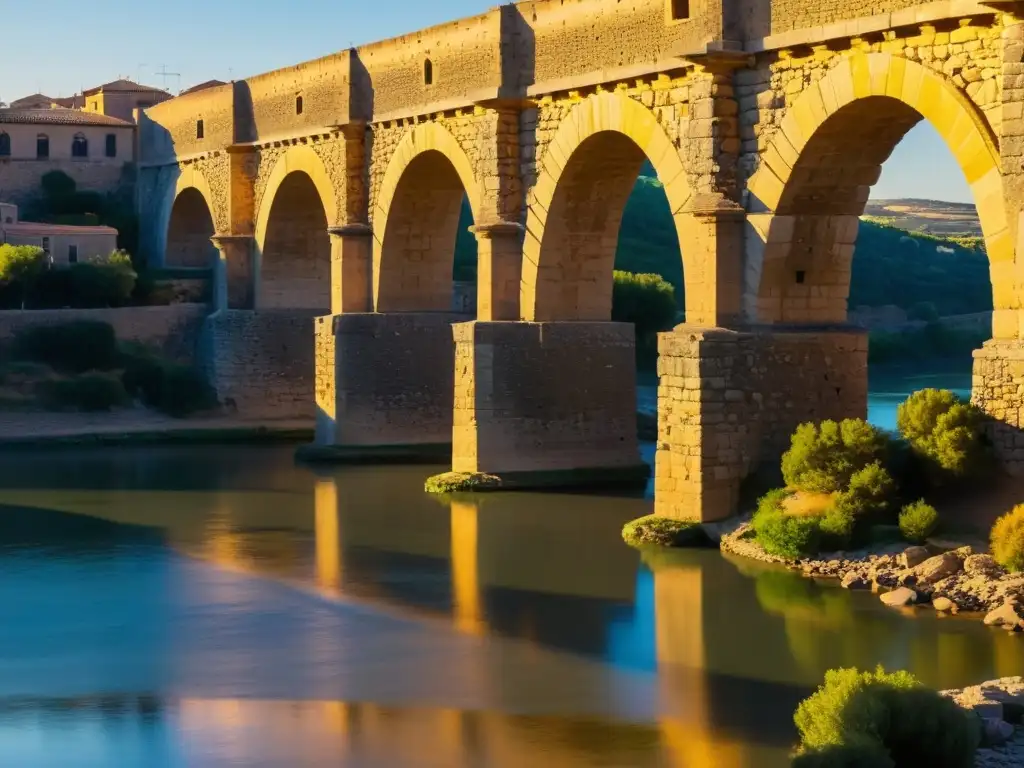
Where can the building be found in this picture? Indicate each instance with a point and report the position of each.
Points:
(93, 149)
(120, 99)
(64, 244)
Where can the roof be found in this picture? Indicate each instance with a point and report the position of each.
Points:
(202, 86)
(123, 85)
(35, 228)
(35, 97)
(59, 116)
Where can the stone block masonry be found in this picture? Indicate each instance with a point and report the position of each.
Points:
(260, 362)
(544, 401)
(997, 387)
(384, 382)
(728, 402)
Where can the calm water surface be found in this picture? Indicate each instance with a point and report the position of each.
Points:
(221, 607)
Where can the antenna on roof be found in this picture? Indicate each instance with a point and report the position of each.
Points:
(165, 74)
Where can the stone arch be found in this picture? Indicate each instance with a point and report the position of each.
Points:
(189, 221)
(806, 198)
(293, 248)
(415, 220)
(585, 177)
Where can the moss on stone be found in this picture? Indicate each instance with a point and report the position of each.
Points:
(664, 532)
(456, 482)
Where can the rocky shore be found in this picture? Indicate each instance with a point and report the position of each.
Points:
(1000, 706)
(946, 577)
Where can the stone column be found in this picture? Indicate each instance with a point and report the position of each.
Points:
(234, 276)
(351, 268)
(546, 404)
(499, 269)
(997, 388)
(729, 401)
(714, 274)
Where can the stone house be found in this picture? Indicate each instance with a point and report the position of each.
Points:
(119, 99)
(64, 244)
(93, 149)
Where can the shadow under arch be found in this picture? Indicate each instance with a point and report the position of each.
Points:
(814, 179)
(416, 218)
(292, 245)
(188, 218)
(587, 174)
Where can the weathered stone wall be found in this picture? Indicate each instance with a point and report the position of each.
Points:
(544, 397)
(997, 387)
(169, 131)
(21, 180)
(384, 379)
(261, 363)
(172, 330)
(728, 402)
(798, 14)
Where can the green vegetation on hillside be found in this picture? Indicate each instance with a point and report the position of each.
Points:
(890, 266)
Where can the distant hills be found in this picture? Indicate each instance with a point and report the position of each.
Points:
(931, 216)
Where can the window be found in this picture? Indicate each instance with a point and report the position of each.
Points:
(199, 129)
(72, 254)
(111, 145)
(46, 246)
(680, 9)
(801, 275)
(428, 72)
(298, 105)
(5, 145)
(79, 146)
(42, 146)
(95, 106)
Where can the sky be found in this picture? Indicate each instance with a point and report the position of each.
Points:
(87, 44)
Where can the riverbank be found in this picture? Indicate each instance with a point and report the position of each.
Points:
(1000, 706)
(948, 576)
(36, 429)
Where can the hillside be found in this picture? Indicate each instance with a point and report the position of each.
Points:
(890, 265)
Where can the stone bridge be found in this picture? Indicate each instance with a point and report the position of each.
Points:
(328, 195)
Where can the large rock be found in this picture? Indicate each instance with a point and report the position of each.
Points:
(938, 568)
(982, 565)
(995, 732)
(1010, 615)
(899, 598)
(944, 605)
(854, 580)
(912, 556)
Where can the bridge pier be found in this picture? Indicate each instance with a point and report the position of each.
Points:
(384, 384)
(728, 401)
(546, 404)
(997, 387)
(234, 274)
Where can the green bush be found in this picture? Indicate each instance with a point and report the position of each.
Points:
(837, 526)
(824, 458)
(891, 711)
(175, 390)
(783, 535)
(944, 429)
(75, 347)
(648, 301)
(106, 283)
(85, 392)
(871, 491)
(1007, 540)
(20, 268)
(845, 756)
(918, 521)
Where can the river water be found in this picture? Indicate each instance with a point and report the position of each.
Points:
(220, 606)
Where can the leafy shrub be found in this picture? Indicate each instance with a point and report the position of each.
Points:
(871, 491)
(838, 526)
(20, 268)
(74, 347)
(176, 390)
(946, 430)
(107, 283)
(86, 392)
(891, 711)
(781, 534)
(824, 458)
(845, 756)
(918, 521)
(1007, 540)
(648, 301)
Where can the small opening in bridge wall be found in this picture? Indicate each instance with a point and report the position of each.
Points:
(428, 72)
(680, 9)
(298, 105)
(800, 275)
(199, 129)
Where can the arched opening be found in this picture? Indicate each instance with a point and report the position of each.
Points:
(295, 266)
(5, 144)
(900, 253)
(189, 232)
(298, 105)
(417, 261)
